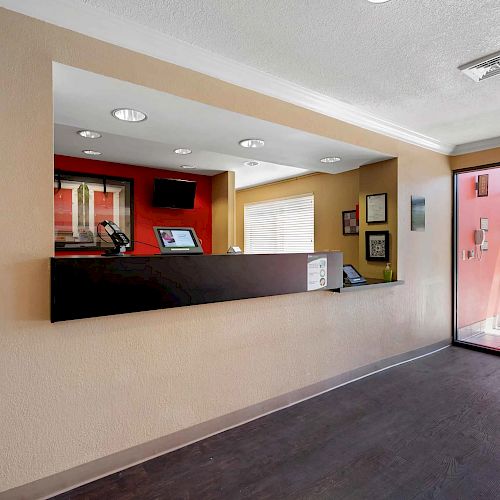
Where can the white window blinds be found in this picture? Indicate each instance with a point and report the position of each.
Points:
(280, 226)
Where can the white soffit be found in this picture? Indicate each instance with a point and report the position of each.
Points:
(84, 100)
(116, 30)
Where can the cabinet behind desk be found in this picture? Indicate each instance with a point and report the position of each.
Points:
(88, 286)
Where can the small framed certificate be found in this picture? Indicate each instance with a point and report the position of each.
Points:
(376, 208)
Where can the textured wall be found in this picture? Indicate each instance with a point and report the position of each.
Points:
(73, 392)
(332, 194)
(476, 159)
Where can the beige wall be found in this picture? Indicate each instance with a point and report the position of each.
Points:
(223, 218)
(75, 391)
(332, 194)
(477, 159)
(380, 177)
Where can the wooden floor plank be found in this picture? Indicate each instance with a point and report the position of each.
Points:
(425, 429)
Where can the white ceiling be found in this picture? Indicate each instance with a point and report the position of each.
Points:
(396, 60)
(388, 67)
(84, 100)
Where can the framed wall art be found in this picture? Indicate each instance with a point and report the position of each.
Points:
(377, 246)
(482, 185)
(376, 208)
(417, 213)
(350, 224)
(82, 201)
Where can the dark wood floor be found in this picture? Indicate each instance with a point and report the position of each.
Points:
(426, 429)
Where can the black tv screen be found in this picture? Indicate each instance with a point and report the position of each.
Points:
(174, 193)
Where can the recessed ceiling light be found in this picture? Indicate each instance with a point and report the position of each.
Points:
(187, 166)
(91, 152)
(252, 143)
(378, 1)
(182, 151)
(129, 115)
(330, 159)
(89, 134)
(251, 163)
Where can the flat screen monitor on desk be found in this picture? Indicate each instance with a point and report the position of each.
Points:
(177, 240)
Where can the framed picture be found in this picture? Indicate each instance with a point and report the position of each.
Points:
(417, 213)
(350, 225)
(82, 201)
(376, 208)
(482, 185)
(377, 245)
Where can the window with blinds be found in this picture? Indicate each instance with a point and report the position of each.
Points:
(280, 226)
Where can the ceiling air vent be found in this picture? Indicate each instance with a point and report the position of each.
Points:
(483, 68)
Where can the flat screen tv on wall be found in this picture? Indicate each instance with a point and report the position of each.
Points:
(174, 193)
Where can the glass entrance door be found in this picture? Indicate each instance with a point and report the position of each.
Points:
(477, 257)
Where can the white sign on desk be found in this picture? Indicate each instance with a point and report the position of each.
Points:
(317, 272)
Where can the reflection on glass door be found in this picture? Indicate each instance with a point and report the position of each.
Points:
(477, 261)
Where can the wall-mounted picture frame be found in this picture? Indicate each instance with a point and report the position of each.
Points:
(376, 208)
(350, 223)
(482, 185)
(377, 246)
(417, 213)
(82, 201)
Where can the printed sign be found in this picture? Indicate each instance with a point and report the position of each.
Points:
(317, 272)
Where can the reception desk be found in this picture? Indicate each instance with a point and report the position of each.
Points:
(90, 286)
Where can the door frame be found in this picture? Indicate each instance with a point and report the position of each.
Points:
(454, 261)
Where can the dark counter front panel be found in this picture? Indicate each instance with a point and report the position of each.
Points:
(84, 287)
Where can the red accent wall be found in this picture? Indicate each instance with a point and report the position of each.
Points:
(62, 210)
(145, 215)
(478, 280)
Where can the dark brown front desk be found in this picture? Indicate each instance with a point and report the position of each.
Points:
(89, 286)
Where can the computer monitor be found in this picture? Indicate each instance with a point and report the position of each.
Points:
(177, 240)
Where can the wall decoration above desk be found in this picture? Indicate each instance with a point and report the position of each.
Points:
(377, 245)
(350, 223)
(376, 208)
(82, 201)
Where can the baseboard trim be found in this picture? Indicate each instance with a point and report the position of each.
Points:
(477, 328)
(64, 481)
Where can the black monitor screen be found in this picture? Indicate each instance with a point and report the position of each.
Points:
(174, 193)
